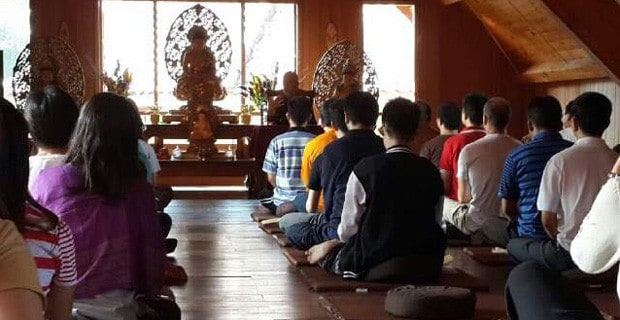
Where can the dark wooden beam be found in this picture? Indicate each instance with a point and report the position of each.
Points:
(596, 24)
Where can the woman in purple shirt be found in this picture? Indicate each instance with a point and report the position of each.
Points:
(102, 194)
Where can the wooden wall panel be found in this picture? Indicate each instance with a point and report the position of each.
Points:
(313, 19)
(567, 91)
(455, 55)
(82, 21)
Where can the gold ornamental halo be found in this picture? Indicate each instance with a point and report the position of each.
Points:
(39, 53)
(328, 73)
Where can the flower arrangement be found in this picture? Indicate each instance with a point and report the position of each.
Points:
(256, 92)
(118, 82)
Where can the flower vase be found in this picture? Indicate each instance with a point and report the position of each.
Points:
(245, 118)
(155, 118)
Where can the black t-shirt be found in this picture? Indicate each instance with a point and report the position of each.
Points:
(402, 191)
(333, 169)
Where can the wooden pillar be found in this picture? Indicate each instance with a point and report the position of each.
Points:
(78, 22)
(315, 17)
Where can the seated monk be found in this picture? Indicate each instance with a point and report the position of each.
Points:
(278, 99)
(351, 82)
(392, 206)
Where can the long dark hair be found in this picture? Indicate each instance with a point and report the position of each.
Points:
(105, 145)
(14, 170)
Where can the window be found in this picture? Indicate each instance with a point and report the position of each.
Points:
(14, 36)
(263, 37)
(393, 55)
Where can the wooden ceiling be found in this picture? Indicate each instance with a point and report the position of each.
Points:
(554, 40)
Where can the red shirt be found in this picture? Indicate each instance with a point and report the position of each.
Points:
(451, 151)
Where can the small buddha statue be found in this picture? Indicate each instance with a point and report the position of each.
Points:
(351, 81)
(200, 86)
(46, 72)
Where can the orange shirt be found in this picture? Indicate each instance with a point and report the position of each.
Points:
(313, 150)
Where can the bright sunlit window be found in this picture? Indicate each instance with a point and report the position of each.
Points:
(391, 48)
(14, 36)
(269, 38)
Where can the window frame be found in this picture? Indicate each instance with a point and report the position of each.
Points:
(157, 61)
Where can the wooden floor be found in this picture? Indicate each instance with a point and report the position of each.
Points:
(236, 271)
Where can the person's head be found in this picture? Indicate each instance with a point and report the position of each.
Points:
(361, 110)
(566, 118)
(590, 114)
(51, 115)
(400, 121)
(544, 114)
(326, 121)
(14, 167)
(299, 110)
(497, 113)
(336, 114)
(105, 145)
(425, 112)
(290, 82)
(449, 116)
(473, 109)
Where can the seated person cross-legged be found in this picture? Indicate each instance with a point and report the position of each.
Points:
(315, 147)
(336, 163)
(391, 207)
(479, 170)
(283, 158)
(448, 121)
(51, 114)
(522, 175)
(102, 195)
(471, 117)
(535, 292)
(571, 180)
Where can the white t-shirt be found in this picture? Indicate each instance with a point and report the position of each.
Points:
(571, 181)
(481, 164)
(40, 162)
(568, 135)
(596, 248)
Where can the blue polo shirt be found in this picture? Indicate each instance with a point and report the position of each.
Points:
(521, 179)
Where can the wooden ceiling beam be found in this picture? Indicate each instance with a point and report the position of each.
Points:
(449, 2)
(563, 71)
(596, 24)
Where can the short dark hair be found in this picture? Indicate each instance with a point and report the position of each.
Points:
(425, 111)
(498, 111)
(336, 114)
(401, 118)
(449, 114)
(325, 115)
(592, 111)
(617, 148)
(51, 115)
(473, 107)
(299, 109)
(362, 108)
(545, 112)
(105, 146)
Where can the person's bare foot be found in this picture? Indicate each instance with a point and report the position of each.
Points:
(320, 251)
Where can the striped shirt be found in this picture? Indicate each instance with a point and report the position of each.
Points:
(521, 179)
(283, 159)
(53, 252)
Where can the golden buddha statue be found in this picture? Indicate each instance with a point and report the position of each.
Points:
(351, 81)
(200, 86)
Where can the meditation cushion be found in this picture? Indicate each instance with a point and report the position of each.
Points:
(431, 302)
